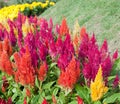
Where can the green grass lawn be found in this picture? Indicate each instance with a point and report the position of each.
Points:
(99, 16)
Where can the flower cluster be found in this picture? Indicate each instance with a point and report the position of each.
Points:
(69, 77)
(11, 12)
(98, 88)
(48, 65)
(91, 57)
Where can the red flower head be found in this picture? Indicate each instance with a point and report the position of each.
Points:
(44, 101)
(2, 101)
(116, 81)
(7, 47)
(64, 28)
(28, 93)
(1, 48)
(25, 101)
(69, 77)
(115, 55)
(5, 84)
(5, 64)
(80, 100)
(42, 71)
(25, 73)
(83, 33)
(54, 99)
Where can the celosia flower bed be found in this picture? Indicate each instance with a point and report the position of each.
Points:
(11, 12)
(40, 64)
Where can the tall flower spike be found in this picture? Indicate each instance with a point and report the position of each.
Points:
(80, 100)
(7, 47)
(5, 64)
(42, 71)
(64, 28)
(45, 101)
(25, 73)
(69, 77)
(98, 88)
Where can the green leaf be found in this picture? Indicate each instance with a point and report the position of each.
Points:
(73, 102)
(11, 58)
(48, 85)
(97, 102)
(14, 90)
(36, 82)
(19, 102)
(83, 92)
(49, 97)
(35, 99)
(14, 96)
(116, 67)
(55, 91)
(61, 99)
(53, 64)
(112, 98)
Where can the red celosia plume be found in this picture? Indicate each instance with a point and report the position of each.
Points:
(42, 71)
(69, 77)
(25, 73)
(64, 28)
(45, 101)
(80, 100)
(5, 63)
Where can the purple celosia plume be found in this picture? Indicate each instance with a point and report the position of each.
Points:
(91, 57)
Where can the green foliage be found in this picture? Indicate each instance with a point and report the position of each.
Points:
(112, 99)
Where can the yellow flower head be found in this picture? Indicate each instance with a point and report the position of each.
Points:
(98, 88)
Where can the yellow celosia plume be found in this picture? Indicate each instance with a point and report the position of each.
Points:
(12, 11)
(98, 88)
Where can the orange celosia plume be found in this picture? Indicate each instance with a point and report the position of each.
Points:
(5, 64)
(82, 32)
(42, 71)
(25, 73)
(64, 28)
(7, 47)
(69, 77)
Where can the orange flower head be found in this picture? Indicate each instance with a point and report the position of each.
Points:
(45, 101)
(7, 47)
(42, 71)
(80, 100)
(54, 99)
(25, 101)
(25, 73)
(82, 32)
(64, 28)
(28, 93)
(1, 48)
(69, 77)
(5, 63)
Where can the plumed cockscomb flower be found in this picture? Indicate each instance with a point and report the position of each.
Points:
(116, 81)
(115, 55)
(42, 51)
(5, 63)
(5, 84)
(7, 47)
(98, 88)
(65, 51)
(45, 101)
(25, 73)
(91, 57)
(80, 100)
(42, 71)
(2, 101)
(64, 28)
(12, 34)
(70, 76)
(52, 49)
